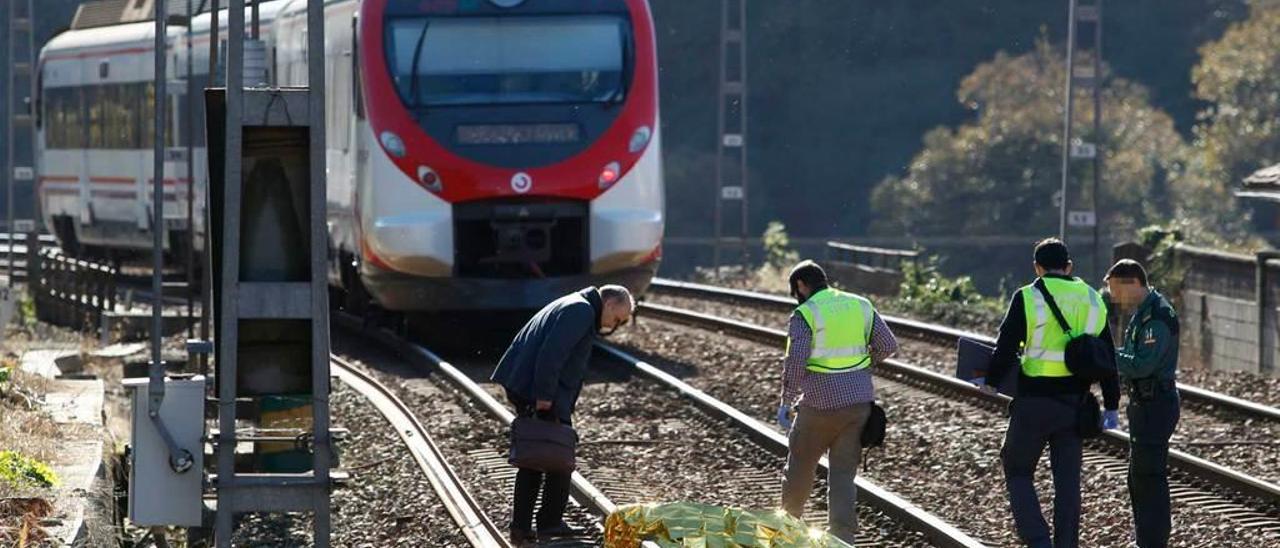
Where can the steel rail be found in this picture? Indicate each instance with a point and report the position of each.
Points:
(938, 333)
(462, 507)
(1243, 484)
(938, 531)
(584, 492)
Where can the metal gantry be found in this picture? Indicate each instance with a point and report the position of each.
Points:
(731, 150)
(1084, 19)
(270, 319)
(22, 111)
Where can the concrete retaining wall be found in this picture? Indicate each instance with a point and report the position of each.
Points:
(1219, 312)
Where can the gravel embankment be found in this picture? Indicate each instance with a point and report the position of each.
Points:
(388, 501)
(1250, 446)
(474, 443)
(639, 444)
(942, 455)
(1264, 390)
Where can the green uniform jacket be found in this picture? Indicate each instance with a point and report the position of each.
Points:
(1150, 342)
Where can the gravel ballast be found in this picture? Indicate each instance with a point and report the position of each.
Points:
(387, 502)
(639, 443)
(942, 455)
(1248, 445)
(1248, 386)
(474, 443)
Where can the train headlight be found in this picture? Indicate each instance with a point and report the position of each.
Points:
(392, 143)
(609, 174)
(429, 179)
(639, 139)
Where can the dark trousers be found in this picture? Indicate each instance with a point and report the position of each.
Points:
(1035, 421)
(1151, 424)
(555, 495)
(554, 487)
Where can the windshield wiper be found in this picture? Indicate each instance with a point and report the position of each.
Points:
(413, 70)
(616, 97)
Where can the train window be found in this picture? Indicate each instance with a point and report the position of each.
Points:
(77, 136)
(54, 119)
(118, 125)
(146, 115)
(495, 60)
(71, 132)
(106, 98)
(93, 108)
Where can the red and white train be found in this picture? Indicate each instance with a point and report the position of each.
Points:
(482, 154)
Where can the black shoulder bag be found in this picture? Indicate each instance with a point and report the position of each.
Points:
(1087, 358)
(873, 431)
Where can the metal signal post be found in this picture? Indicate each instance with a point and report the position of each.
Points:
(1083, 18)
(731, 150)
(21, 120)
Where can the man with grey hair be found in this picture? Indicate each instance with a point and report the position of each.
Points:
(542, 373)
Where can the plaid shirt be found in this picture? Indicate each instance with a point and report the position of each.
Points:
(831, 390)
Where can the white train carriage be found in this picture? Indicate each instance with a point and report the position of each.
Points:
(481, 153)
(95, 136)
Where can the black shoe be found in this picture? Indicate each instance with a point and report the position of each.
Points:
(520, 536)
(561, 529)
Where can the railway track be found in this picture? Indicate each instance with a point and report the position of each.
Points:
(491, 462)
(934, 529)
(1229, 431)
(940, 335)
(458, 502)
(652, 433)
(1246, 500)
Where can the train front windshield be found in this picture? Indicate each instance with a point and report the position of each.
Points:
(438, 61)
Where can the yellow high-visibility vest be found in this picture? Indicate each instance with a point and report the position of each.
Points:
(841, 327)
(1044, 350)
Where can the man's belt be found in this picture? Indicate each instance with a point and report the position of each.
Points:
(1147, 388)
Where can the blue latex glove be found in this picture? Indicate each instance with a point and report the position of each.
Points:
(1110, 419)
(784, 416)
(981, 384)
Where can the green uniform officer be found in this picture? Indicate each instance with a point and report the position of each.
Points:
(1148, 362)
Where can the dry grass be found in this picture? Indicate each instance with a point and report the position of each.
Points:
(28, 429)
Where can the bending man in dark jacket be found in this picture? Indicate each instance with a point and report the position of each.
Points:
(542, 372)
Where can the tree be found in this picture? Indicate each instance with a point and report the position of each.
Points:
(997, 173)
(1239, 75)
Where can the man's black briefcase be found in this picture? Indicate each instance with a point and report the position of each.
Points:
(542, 445)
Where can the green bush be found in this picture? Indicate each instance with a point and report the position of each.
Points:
(1163, 271)
(928, 295)
(27, 311)
(923, 284)
(19, 470)
(777, 247)
(5, 372)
